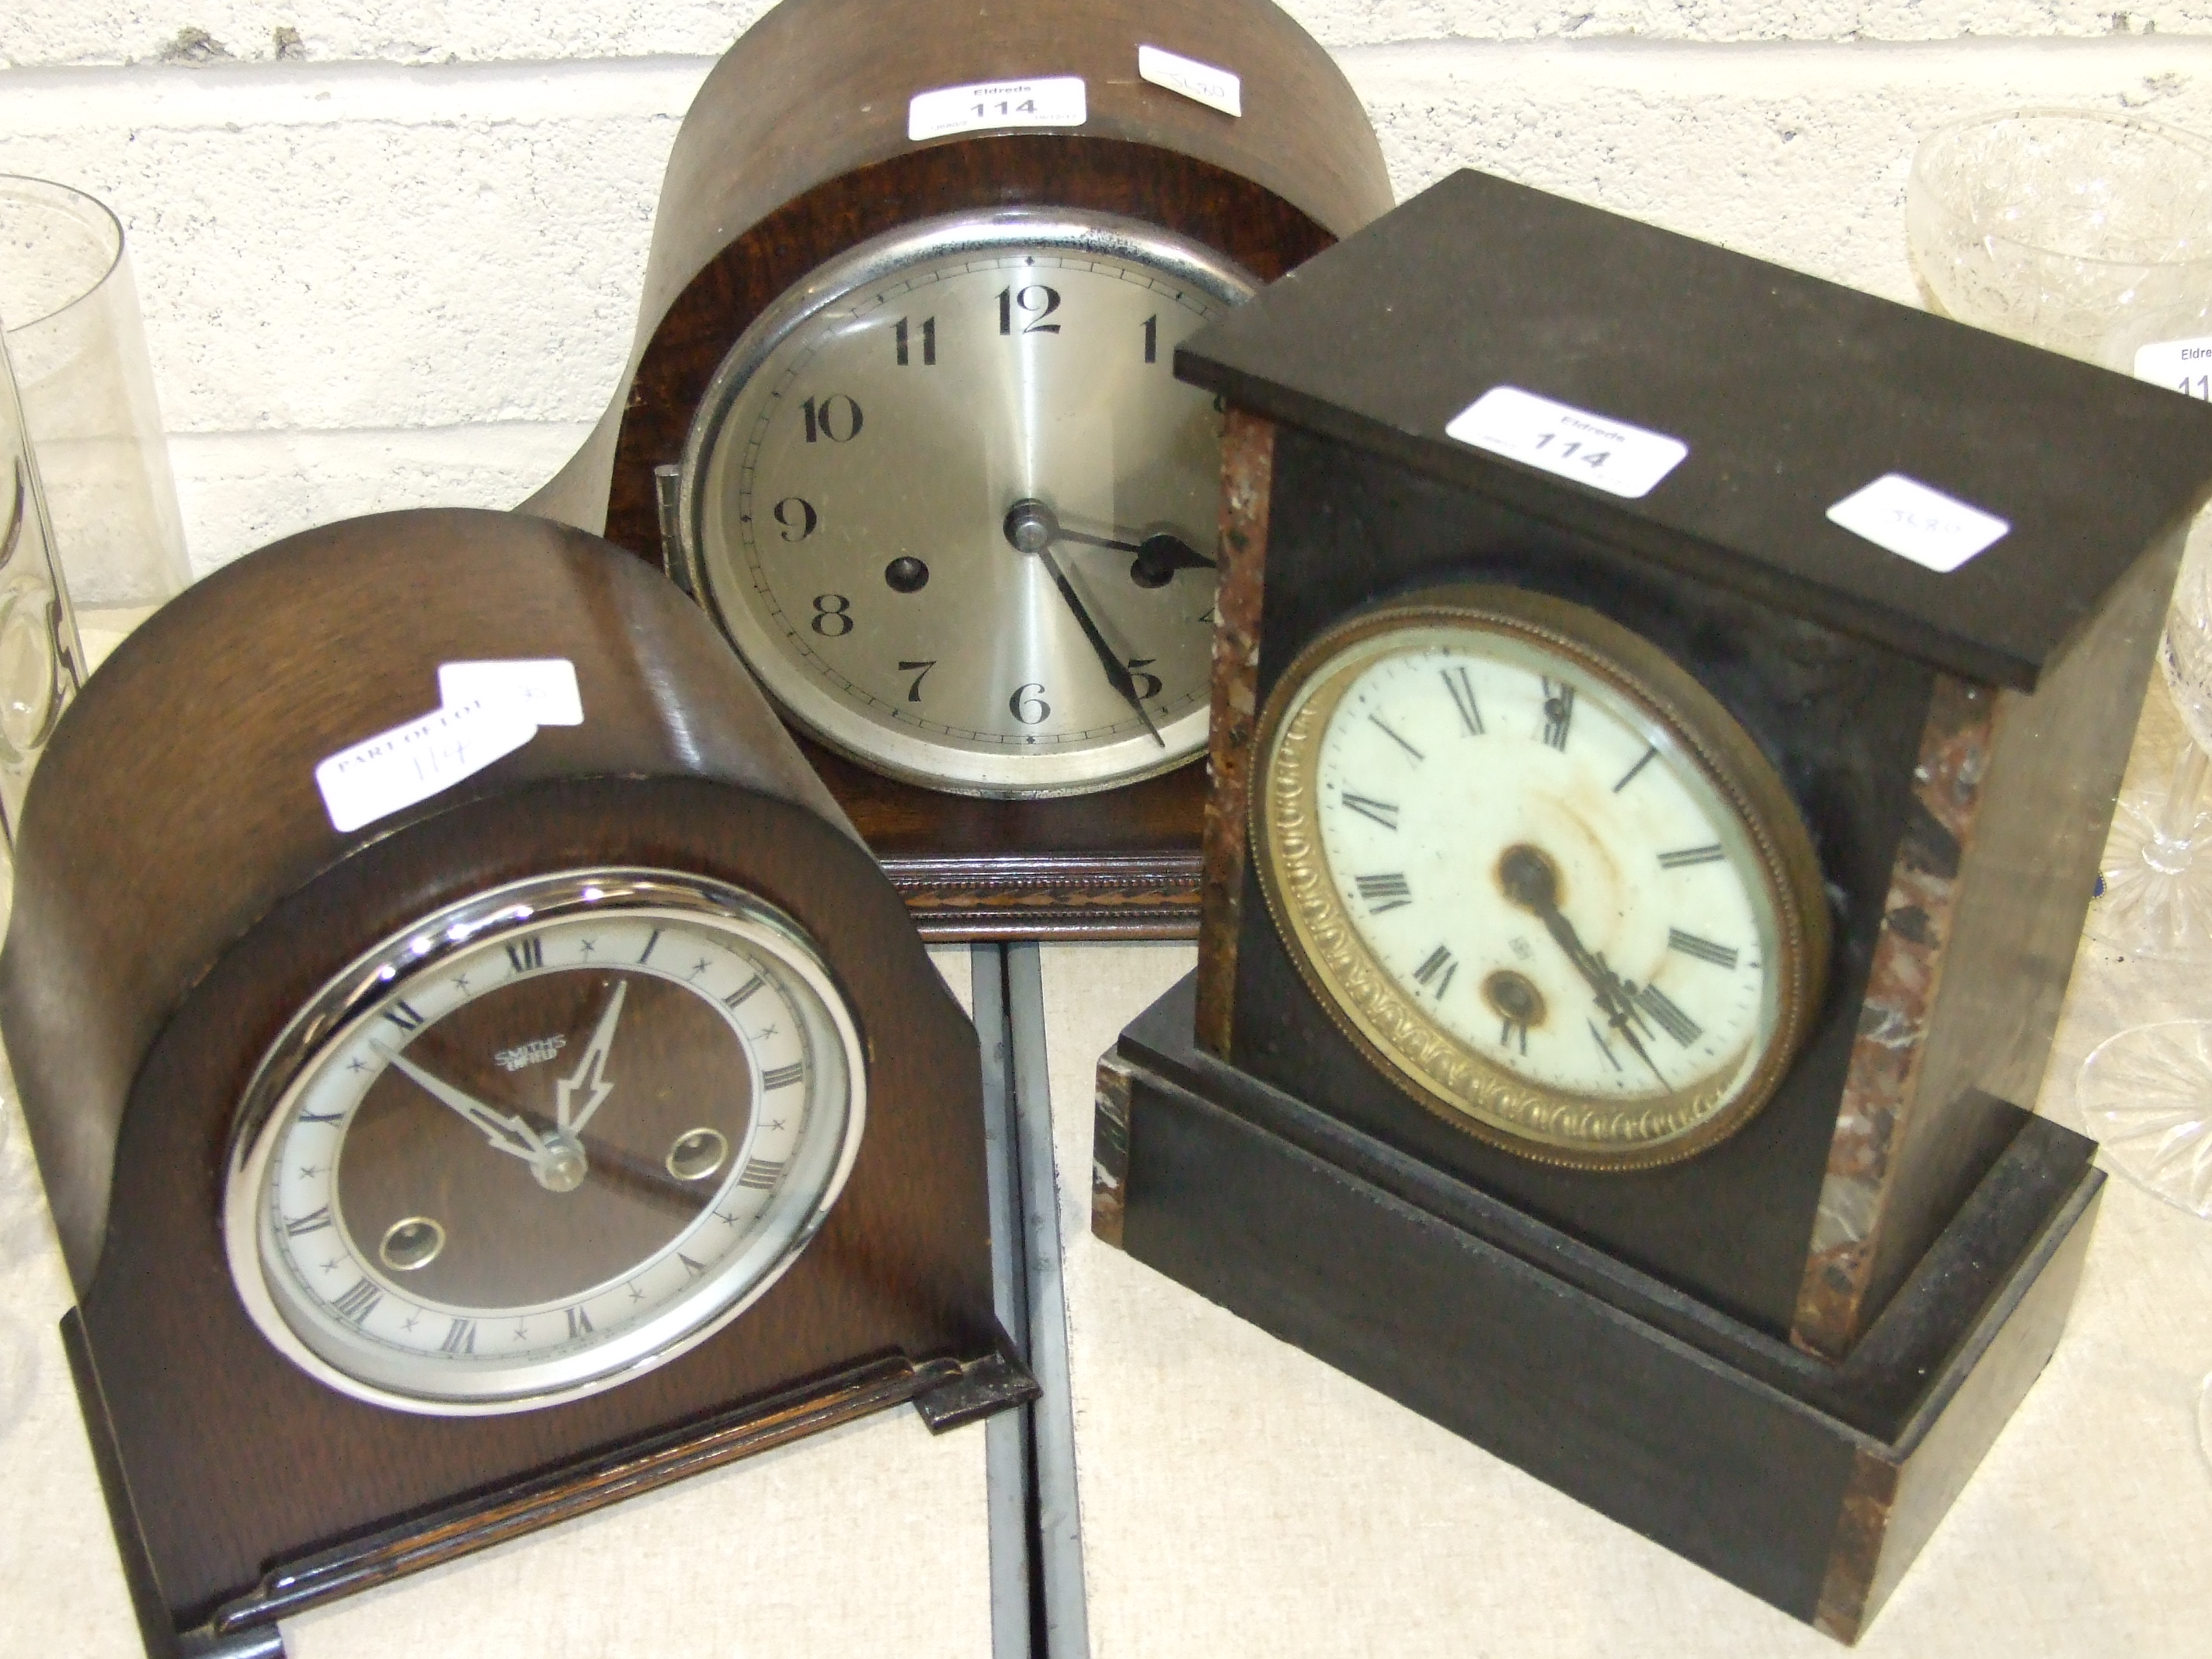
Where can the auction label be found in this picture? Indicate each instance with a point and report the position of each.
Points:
(1597, 450)
(1056, 101)
(2182, 365)
(1904, 516)
(393, 770)
(543, 688)
(1203, 83)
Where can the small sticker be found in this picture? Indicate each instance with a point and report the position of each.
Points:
(1216, 88)
(1056, 101)
(1592, 449)
(393, 770)
(543, 689)
(2182, 365)
(1906, 518)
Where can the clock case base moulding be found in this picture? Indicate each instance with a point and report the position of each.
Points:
(1810, 1485)
(945, 1393)
(796, 150)
(241, 1489)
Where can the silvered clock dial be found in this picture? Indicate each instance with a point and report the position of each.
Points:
(1540, 875)
(949, 501)
(546, 1140)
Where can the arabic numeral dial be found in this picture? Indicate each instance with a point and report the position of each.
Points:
(958, 515)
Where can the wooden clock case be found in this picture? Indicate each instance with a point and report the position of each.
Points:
(795, 149)
(180, 892)
(1782, 1357)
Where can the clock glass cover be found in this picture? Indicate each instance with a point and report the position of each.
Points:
(1540, 875)
(547, 1137)
(949, 501)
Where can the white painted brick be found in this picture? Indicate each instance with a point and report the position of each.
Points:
(65, 31)
(373, 286)
(1343, 23)
(359, 247)
(1795, 154)
(243, 491)
(392, 31)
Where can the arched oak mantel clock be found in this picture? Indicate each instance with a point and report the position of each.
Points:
(901, 413)
(434, 1166)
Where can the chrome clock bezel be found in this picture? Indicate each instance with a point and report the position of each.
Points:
(373, 978)
(1016, 774)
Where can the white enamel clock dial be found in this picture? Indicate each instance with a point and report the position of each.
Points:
(1550, 882)
(951, 504)
(547, 1138)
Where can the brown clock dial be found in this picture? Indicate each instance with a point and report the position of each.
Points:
(574, 1141)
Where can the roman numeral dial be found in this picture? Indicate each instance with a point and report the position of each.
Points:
(572, 1139)
(1521, 848)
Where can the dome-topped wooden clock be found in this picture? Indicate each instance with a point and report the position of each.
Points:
(476, 1072)
(901, 416)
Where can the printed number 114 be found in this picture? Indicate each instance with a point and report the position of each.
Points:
(1570, 448)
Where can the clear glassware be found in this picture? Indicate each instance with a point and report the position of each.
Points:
(87, 385)
(2090, 234)
(2144, 1094)
(2079, 231)
(2154, 883)
(41, 661)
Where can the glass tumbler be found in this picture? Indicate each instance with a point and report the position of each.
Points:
(42, 661)
(86, 385)
(2090, 234)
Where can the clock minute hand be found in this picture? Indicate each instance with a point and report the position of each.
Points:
(1032, 528)
(1117, 674)
(591, 1072)
(507, 1133)
(1530, 882)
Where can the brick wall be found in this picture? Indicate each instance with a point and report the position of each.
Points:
(390, 249)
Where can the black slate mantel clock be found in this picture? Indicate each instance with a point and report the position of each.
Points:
(1668, 710)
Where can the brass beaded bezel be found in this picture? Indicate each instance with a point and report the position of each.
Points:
(1452, 1080)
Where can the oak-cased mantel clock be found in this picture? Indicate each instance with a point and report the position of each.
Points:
(901, 414)
(1667, 714)
(476, 1072)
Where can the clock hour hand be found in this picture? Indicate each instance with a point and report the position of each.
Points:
(1031, 528)
(1158, 556)
(505, 1133)
(590, 1078)
(1530, 881)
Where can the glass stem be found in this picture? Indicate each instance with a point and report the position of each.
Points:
(2180, 816)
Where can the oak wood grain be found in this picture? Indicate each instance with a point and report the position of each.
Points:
(180, 891)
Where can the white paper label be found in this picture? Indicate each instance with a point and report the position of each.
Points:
(1592, 449)
(393, 770)
(543, 689)
(1906, 518)
(1056, 101)
(1216, 88)
(2182, 365)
